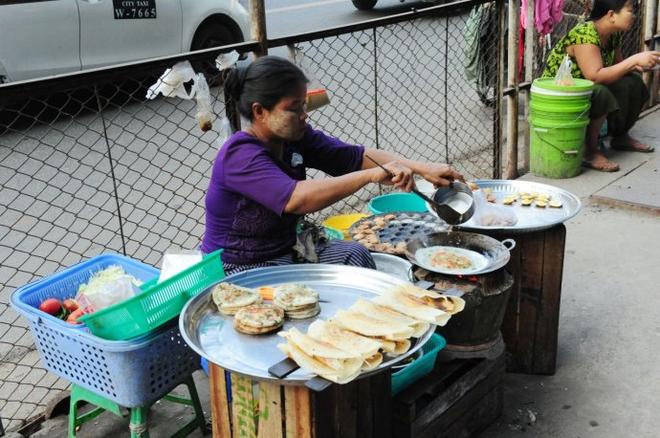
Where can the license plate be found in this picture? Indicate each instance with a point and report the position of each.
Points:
(134, 9)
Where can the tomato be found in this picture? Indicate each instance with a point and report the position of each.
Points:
(70, 305)
(51, 306)
(73, 317)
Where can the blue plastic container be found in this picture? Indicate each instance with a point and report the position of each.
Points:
(131, 373)
(394, 202)
(419, 368)
(64, 284)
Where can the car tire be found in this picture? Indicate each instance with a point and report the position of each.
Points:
(212, 34)
(364, 5)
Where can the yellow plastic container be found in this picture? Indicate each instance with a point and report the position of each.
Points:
(343, 222)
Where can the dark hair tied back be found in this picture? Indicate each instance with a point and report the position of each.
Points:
(602, 7)
(266, 81)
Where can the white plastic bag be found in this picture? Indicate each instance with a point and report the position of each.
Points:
(171, 82)
(564, 77)
(204, 115)
(175, 261)
(107, 294)
(490, 215)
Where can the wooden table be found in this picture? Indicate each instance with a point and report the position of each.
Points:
(532, 317)
(360, 409)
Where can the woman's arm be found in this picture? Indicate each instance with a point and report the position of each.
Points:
(591, 63)
(436, 173)
(315, 194)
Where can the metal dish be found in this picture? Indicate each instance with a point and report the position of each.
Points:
(495, 253)
(529, 218)
(394, 265)
(212, 334)
(402, 228)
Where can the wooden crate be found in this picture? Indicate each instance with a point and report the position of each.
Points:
(531, 321)
(360, 409)
(458, 399)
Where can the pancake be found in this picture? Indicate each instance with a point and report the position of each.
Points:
(383, 313)
(308, 312)
(368, 326)
(412, 307)
(335, 335)
(293, 297)
(451, 305)
(349, 372)
(230, 297)
(258, 319)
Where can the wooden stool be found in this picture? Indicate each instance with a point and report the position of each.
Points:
(139, 415)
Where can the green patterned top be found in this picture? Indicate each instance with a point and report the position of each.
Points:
(582, 33)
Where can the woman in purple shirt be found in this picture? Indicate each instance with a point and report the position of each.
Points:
(258, 191)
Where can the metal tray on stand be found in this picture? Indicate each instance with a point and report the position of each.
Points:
(212, 335)
(530, 218)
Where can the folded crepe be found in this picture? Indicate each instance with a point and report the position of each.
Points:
(451, 305)
(333, 334)
(411, 306)
(372, 327)
(318, 367)
(383, 313)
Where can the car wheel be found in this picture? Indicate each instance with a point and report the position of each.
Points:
(214, 34)
(364, 5)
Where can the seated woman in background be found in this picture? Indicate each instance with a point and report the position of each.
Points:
(619, 92)
(258, 189)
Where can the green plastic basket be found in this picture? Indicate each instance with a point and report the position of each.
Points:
(419, 368)
(157, 304)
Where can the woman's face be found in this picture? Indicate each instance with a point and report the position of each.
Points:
(287, 119)
(625, 18)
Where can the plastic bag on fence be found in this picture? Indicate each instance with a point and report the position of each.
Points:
(487, 214)
(317, 94)
(171, 82)
(176, 260)
(204, 115)
(564, 77)
(106, 288)
(226, 60)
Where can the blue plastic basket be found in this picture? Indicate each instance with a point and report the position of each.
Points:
(419, 368)
(131, 373)
(64, 284)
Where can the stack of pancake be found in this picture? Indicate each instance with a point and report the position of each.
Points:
(297, 301)
(258, 319)
(230, 298)
(354, 340)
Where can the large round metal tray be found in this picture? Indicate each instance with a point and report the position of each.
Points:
(529, 218)
(212, 334)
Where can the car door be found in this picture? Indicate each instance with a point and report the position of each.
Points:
(117, 31)
(38, 38)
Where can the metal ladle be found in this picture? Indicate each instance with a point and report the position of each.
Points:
(447, 201)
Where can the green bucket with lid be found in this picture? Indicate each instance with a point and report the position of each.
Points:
(558, 119)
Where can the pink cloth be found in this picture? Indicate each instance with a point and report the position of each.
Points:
(547, 14)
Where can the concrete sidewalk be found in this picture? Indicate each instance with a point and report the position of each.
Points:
(607, 377)
(607, 381)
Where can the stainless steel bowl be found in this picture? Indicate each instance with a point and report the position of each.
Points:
(394, 265)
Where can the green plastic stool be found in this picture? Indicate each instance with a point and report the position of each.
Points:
(139, 415)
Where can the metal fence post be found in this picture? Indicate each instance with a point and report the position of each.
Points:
(530, 49)
(648, 11)
(499, 90)
(512, 95)
(258, 26)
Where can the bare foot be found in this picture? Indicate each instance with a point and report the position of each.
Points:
(600, 162)
(627, 143)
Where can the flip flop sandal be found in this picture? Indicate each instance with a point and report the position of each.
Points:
(590, 165)
(629, 148)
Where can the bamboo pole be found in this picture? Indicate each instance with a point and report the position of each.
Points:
(258, 26)
(656, 74)
(530, 49)
(648, 26)
(512, 98)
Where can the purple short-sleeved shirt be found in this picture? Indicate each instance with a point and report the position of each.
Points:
(250, 188)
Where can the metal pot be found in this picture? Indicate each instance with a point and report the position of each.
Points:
(394, 265)
(453, 204)
(495, 253)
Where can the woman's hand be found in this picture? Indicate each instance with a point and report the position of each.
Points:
(402, 179)
(440, 175)
(646, 60)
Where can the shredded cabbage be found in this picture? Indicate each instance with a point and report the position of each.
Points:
(100, 279)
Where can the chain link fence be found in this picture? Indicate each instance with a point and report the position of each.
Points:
(89, 165)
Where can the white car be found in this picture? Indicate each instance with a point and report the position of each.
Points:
(40, 38)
